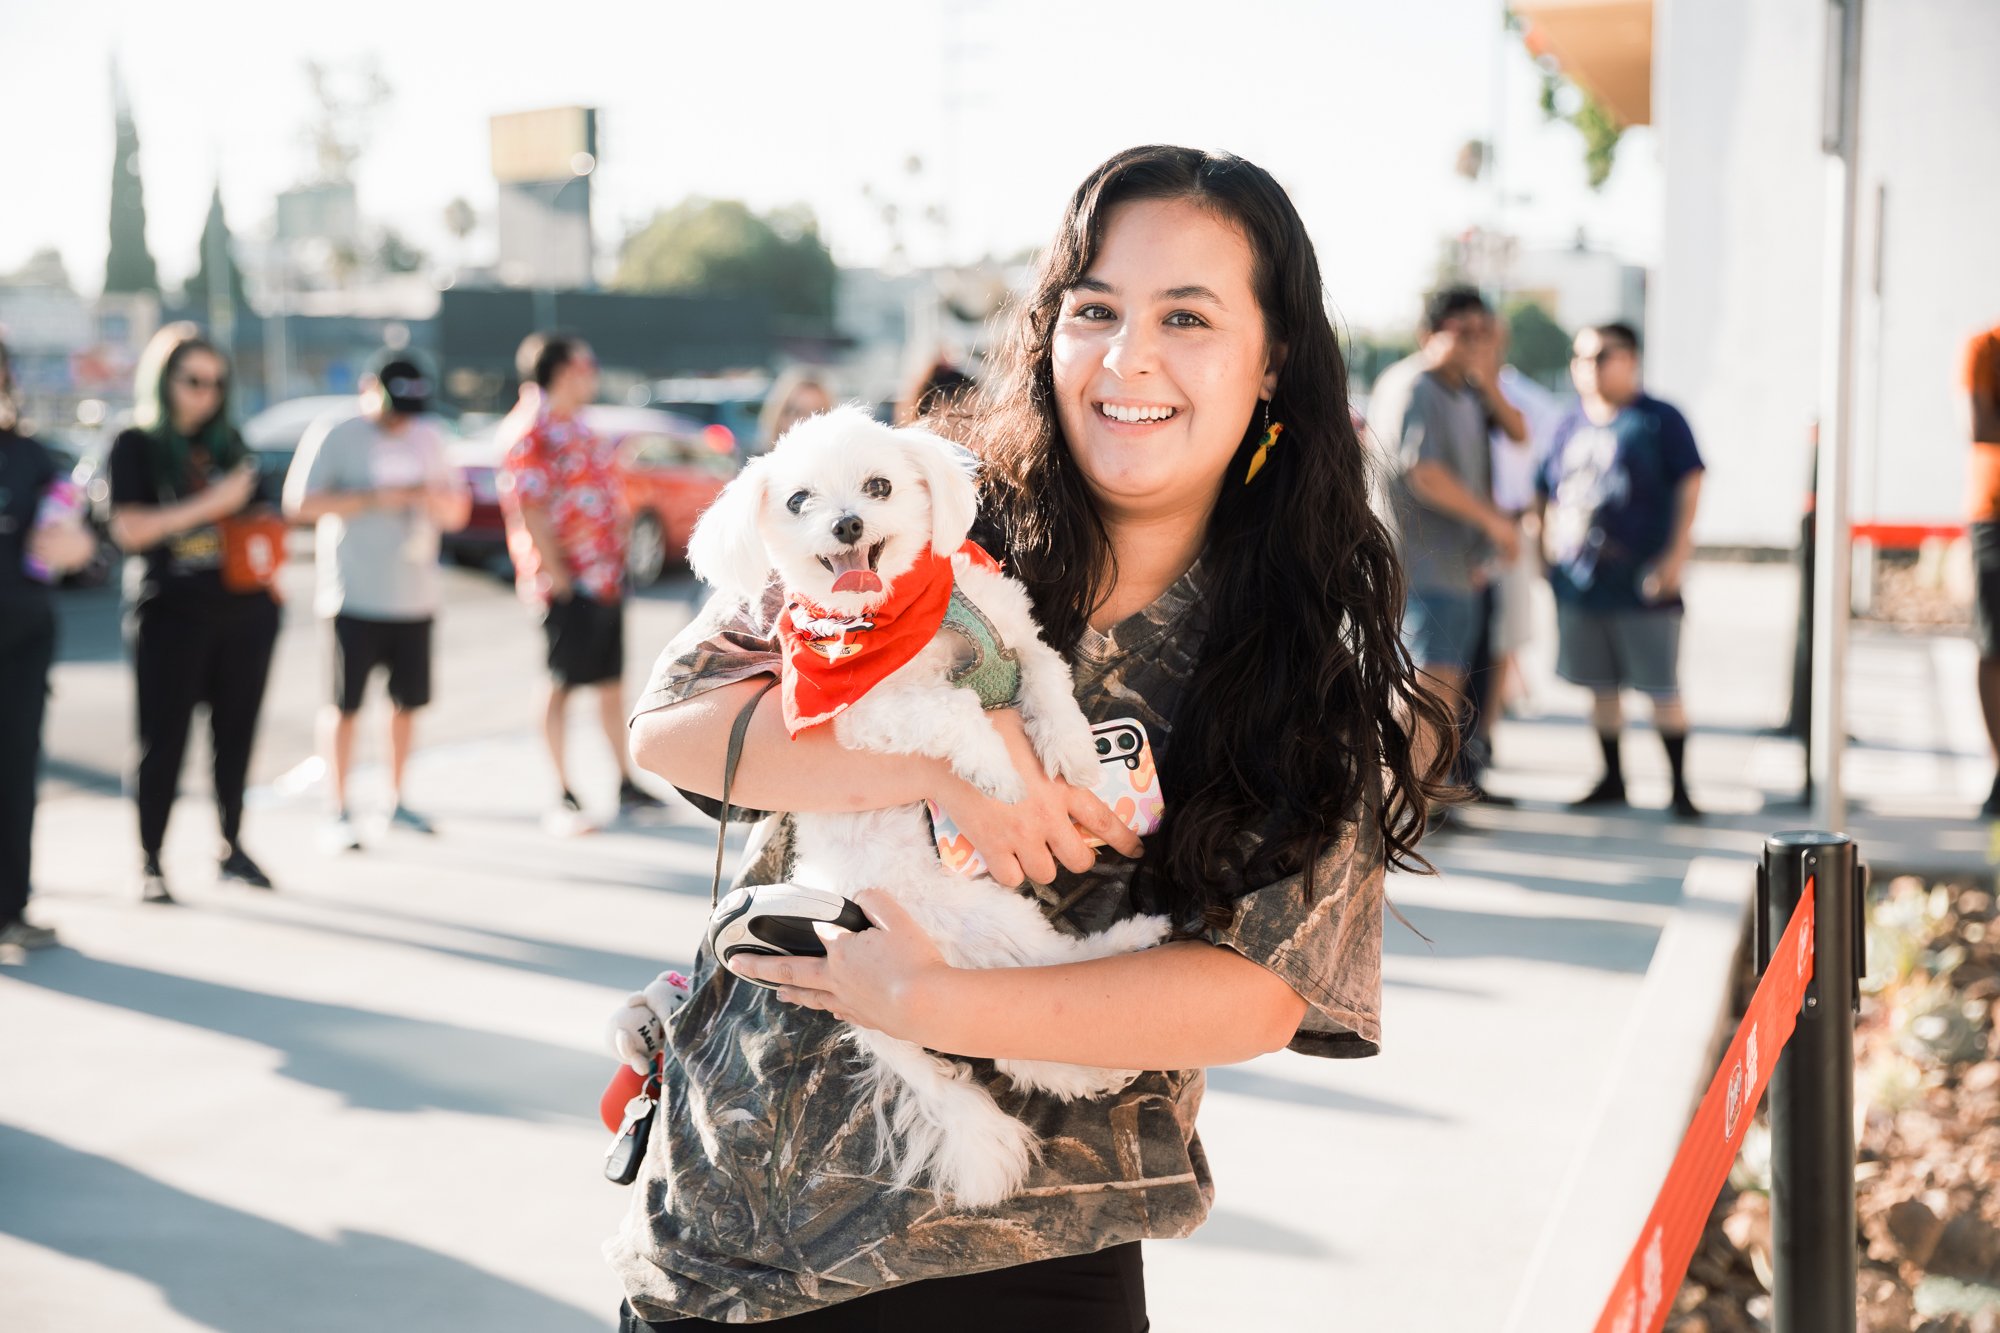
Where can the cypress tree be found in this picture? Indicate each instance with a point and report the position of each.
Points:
(215, 240)
(128, 267)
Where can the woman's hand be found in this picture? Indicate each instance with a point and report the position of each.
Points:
(62, 547)
(1044, 829)
(231, 493)
(872, 978)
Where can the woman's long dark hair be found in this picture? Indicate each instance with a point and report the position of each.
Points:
(1301, 715)
(152, 409)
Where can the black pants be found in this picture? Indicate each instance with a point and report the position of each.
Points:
(1103, 1292)
(213, 650)
(1481, 680)
(27, 647)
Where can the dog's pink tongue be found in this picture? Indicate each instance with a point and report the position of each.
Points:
(858, 580)
(852, 573)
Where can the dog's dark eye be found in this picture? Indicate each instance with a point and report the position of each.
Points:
(876, 488)
(797, 502)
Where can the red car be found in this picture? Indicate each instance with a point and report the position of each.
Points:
(672, 466)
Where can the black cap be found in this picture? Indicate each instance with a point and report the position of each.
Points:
(405, 382)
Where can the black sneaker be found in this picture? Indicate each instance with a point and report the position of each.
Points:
(1608, 791)
(1683, 805)
(239, 867)
(632, 797)
(1991, 810)
(153, 885)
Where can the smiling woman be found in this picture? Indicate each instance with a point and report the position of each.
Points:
(1248, 621)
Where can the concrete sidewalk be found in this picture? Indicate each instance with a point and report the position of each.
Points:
(367, 1101)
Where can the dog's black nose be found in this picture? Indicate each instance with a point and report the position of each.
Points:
(847, 529)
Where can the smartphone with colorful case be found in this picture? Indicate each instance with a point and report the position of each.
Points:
(1126, 781)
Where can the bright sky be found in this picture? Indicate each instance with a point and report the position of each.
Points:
(1358, 106)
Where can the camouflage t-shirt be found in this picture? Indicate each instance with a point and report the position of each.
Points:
(760, 1196)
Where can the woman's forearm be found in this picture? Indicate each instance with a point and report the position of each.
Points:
(686, 744)
(1186, 1005)
(142, 527)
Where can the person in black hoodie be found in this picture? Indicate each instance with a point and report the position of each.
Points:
(27, 648)
(176, 476)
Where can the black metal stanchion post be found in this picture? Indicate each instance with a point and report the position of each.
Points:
(1812, 1086)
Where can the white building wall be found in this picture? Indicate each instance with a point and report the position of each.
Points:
(1930, 105)
(1578, 287)
(1734, 309)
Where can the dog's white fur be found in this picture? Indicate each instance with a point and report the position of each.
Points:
(934, 1119)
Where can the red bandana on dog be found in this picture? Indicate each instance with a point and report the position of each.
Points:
(832, 660)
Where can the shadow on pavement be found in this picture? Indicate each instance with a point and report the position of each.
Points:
(1613, 946)
(84, 777)
(571, 962)
(239, 1273)
(1259, 1235)
(87, 624)
(1248, 1083)
(379, 1062)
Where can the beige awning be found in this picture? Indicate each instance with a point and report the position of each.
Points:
(1605, 47)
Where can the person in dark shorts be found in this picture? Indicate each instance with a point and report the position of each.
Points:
(563, 497)
(1433, 414)
(1619, 490)
(381, 490)
(1982, 387)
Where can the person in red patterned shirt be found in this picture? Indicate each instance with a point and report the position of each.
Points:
(564, 501)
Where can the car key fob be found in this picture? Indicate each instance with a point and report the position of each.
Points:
(628, 1150)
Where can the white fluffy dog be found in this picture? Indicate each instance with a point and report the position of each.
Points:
(842, 509)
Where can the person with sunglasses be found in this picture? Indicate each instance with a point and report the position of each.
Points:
(1619, 490)
(177, 476)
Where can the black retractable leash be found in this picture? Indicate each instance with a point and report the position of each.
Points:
(628, 1150)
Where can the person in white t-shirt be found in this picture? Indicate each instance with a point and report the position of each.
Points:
(381, 490)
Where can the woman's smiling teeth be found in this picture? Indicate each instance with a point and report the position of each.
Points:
(1132, 416)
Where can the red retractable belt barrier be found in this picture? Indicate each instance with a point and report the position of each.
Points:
(1652, 1274)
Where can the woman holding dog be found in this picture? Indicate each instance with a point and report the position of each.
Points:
(1172, 471)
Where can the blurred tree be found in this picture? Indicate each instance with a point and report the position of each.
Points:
(44, 269)
(128, 267)
(1539, 348)
(396, 255)
(215, 240)
(1565, 101)
(346, 100)
(1368, 355)
(719, 245)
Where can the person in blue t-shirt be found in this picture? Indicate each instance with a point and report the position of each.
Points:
(1619, 489)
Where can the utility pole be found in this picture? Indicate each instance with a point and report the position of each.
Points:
(1832, 590)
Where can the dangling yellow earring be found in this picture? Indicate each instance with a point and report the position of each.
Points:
(1272, 429)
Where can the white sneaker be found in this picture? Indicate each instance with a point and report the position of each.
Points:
(567, 820)
(339, 835)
